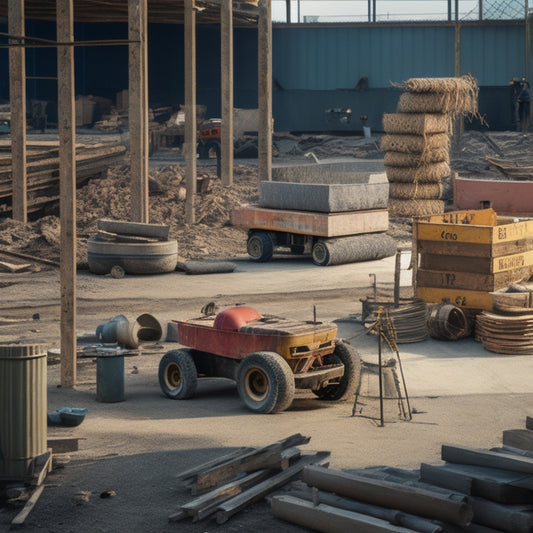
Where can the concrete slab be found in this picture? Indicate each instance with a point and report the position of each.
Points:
(369, 192)
(338, 170)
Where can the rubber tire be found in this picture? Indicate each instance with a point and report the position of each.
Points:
(320, 253)
(183, 378)
(348, 383)
(279, 385)
(260, 246)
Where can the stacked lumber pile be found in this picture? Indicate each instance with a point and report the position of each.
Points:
(514, 169)
(417, 141)
(474, 490)
(92, 160)
(226, 485)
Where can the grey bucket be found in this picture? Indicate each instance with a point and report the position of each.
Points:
(23, 409)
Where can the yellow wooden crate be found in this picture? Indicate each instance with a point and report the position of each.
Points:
(458, 297)
(477, 227)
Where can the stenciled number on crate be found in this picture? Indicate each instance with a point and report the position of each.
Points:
(447, 236)
(448, 278)
(508, 263)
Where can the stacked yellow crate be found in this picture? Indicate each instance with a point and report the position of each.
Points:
(466, 255)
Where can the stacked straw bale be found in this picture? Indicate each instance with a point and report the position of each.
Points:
(417, 141)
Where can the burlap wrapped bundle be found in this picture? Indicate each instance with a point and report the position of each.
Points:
(455, 96)
(413, 208)
(409, 144)
(416, 123)
(425, 191)
(400, 159)
(432, 173)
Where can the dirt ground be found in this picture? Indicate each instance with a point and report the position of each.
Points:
(136, 447)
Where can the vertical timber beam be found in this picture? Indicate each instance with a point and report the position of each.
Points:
(17, 100)
(67, 187)
(264, 37)
(190, 108)
(138, 108)
(226, 61)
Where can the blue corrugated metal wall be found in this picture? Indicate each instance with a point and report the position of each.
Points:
(315, 68)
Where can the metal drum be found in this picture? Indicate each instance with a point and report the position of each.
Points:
(23, 407)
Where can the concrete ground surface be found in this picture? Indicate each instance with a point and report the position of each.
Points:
(459, 394)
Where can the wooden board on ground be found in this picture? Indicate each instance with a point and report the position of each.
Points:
(518, 438)
(312, 223)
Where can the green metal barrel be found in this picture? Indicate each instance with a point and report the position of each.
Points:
(23, 409)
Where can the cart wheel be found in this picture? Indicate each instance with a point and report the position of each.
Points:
(177, 374)
(265, 382)
(344, 387)
(260, 246)
(320, 253)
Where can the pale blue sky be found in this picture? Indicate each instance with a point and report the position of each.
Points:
(357, 10)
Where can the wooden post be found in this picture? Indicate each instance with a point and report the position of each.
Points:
(17, 100)
(190, 109)
(226, 62)
(264, 63)
(138, 109)
(67, 188)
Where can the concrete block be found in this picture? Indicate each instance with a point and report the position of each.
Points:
(334, 170)
(326, 198)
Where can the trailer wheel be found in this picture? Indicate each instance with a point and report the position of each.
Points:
(320, 253)
(260, 246)
(177, 374)
(345, 386)
(265, 382)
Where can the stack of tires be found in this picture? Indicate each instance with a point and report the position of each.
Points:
(417, 142)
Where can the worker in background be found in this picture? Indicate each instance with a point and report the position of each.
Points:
(524, 98)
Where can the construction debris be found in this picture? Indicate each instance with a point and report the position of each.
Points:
(474, 490)
(242, 478)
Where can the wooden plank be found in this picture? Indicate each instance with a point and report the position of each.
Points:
(393, 516)
(18, 521)
(421, 502)
(63, 444)
(17, 92)
(259, 491)
(189, 148)
(323, 517)
(529, 422)
(518, 438)
(138, 108)
(206, 505)
(458, 297)
(475, 249)
(514, 519)
(312, 223)
(264, 89)
(489, 483)
(484, 265)
(474, 233)
(67, 179)
(475, 281)
(267, 457)
(472, 456)
(214, 462)
(226, 63)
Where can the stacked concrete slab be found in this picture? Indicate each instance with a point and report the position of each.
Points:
(336, 198)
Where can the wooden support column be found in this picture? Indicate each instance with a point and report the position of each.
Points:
(226, 62)
(138, 108)
(67, 188)
(190, 109)
(264, 38)
(17, 101)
